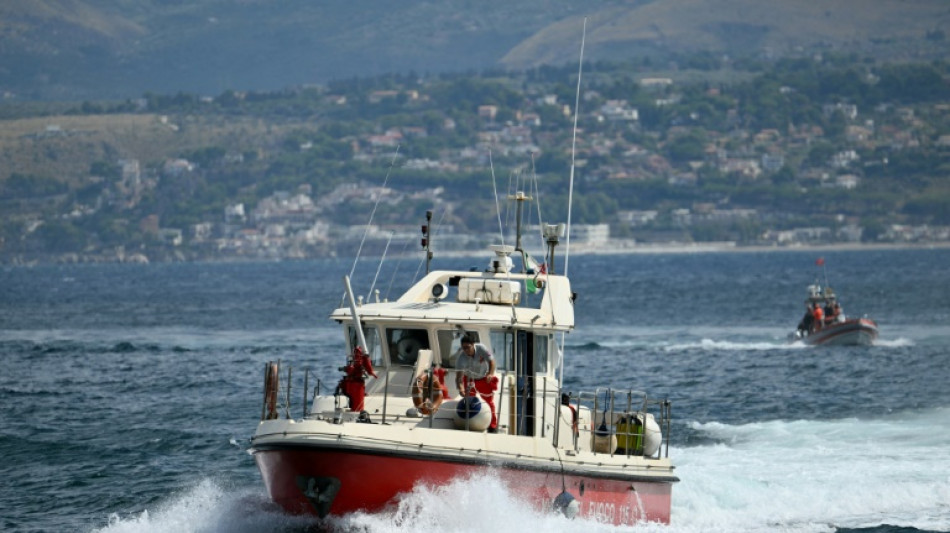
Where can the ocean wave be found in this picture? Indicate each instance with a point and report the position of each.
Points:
(807, 474)
(899, 342)
(711, 344)
(209, 507)
(586, 347)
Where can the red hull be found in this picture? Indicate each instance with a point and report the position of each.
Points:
(368, 482)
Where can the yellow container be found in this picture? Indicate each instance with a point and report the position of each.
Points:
(630, 436)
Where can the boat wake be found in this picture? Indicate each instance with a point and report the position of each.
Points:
(711, 344)
(211, 508)
(899, 342)
(817, 475)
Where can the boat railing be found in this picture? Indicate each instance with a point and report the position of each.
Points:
(622, 421)
(607, 420)
(278, 385)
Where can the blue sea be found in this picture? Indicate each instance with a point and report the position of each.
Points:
(128, 392)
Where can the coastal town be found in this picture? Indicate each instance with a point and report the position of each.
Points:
(673, 166)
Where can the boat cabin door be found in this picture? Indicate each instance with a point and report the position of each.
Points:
(524, 370)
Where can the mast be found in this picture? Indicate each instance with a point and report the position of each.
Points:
(520, 197)
(427, 239)
(552, 235)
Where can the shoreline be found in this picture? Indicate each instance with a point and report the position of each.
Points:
(724, 247)
(719, 247)
(611, 248)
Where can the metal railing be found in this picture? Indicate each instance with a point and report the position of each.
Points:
(619, 421)
(610, 421)
(278, 385)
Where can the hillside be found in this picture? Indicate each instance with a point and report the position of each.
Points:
(805, 151)
(95, 49)
(884, 29)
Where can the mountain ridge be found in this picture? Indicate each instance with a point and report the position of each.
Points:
(93, 49)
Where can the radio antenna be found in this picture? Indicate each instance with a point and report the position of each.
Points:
(570, 194)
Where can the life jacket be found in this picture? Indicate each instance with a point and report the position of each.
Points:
(439, 373)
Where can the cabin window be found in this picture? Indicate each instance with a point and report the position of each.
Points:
(501, 347)
(404, 344)
(450, 346)
(372, 343)
(541, 353)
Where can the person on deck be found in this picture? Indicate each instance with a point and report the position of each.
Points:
(828, 310)
(476, 375)
(805, 325)
(832, 312)
(818, 316)
(838, 313)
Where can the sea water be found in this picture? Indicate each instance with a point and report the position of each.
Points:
(128, 392)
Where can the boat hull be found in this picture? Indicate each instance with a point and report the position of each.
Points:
(853, 332)
(337, 482)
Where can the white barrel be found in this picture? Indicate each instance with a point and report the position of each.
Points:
(652, 436)
(472, 414)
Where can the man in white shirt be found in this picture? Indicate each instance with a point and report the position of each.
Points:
(476, 375)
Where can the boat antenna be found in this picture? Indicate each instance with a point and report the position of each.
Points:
(570, 194)
(824, 271)
(405, 246)
(380, 266)
(372, 214)
(516, 185)
(425, 260)
(537, 195)
(520, 197)
(427, 239)
(512, 186)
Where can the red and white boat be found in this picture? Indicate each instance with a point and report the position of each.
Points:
(600, 454)
(834, 328)
(851, 332)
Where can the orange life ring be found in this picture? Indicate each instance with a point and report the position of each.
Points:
(271, 387)
(430, 405)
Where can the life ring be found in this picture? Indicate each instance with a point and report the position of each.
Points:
(407, 350)
(430, 405)
(271, 387)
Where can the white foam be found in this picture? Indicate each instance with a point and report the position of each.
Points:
(894, 343)
(477, 504)
(209, 508)
(467, 505)
(817, 475)
(710, 344)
